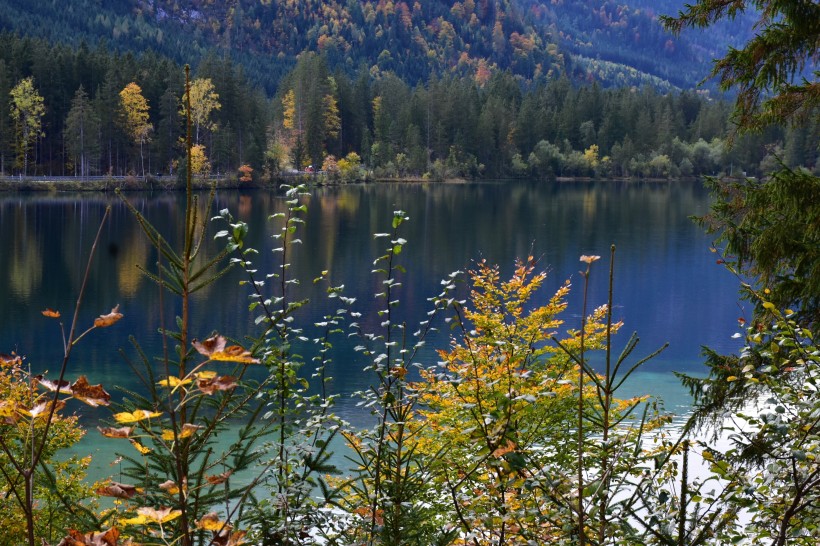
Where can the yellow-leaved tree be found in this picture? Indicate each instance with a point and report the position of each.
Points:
(135, 119)
(204, 101)
(27, 110)
(501, 409)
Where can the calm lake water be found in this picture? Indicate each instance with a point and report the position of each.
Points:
(668, 286)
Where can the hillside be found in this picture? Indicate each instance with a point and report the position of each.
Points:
(589, 40)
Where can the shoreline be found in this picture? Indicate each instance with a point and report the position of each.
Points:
(166, 183)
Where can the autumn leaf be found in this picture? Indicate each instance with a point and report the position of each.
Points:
(111, 432)
(9, 412)
(589, 259)
(139, 447)
(187, 430)
(93, 395)
(173, 382)
(51, 313)
(135, 416)
(104, 321)
(211, 522)
(217, 479)
(118, 490)
(7, 361)
(147, 515)
(221, 383)
(63, 386)
(215, 349)
(211, 345)
(227, 537)
(172, 488)
(503, 450)
(105, 538)
(206, 375)
(44, 408)
(235, 353)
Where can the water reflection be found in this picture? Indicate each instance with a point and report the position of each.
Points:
(668, 287)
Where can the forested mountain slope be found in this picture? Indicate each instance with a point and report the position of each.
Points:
(601, 40)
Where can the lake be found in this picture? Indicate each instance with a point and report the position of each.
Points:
(668, 286)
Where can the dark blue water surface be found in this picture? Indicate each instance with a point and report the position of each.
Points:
(668, 286)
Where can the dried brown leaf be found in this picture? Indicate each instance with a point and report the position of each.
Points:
(104, 321)
(93, 395)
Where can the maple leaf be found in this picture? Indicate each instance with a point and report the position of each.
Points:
(50, 313)
(104, 321)
(118, 490)
(93, 395)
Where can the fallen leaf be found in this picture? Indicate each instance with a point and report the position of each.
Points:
(104, 321)
(50, 313)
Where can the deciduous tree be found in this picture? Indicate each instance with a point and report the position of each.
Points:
(204, 101)
(134, 111)
(27, 110)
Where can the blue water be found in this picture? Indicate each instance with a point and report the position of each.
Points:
(668, 286)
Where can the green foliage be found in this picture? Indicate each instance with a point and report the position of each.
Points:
(768, 71)
(768, 412)
(772, 237)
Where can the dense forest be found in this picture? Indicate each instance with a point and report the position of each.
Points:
(609, 42)
(451, 126)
